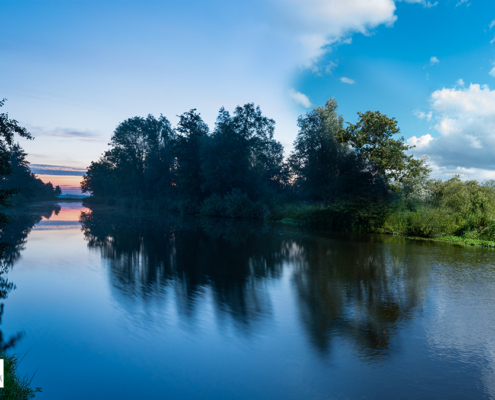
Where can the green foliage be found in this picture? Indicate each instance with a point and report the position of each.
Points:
(324, 170)
(16, 387)
(431, 208)
(431, 222)
(372, 139)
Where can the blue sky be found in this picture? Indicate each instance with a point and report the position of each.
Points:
(73, 69)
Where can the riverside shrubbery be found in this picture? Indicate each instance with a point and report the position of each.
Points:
(446, 208)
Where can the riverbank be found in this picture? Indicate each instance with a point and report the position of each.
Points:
(16, 387)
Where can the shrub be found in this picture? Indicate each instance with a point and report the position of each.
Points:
(430, 222)
(234, 204)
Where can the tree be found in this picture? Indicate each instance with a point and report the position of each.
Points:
(8, 128)
(139, 163)
(191, 133)
(58, 191)
(323, 169)
(242, 153)
(372, 140)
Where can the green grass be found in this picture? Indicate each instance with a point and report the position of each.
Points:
(466, 242)
(15, 387)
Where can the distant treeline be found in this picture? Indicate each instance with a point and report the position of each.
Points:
(354, 177)
(23, 183)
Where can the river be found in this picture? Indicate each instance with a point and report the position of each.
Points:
(114, 304)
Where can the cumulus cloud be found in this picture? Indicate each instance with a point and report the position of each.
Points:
(300, 98)
(347, 80)
(434, 60)
(465, 123)
(422, 141)
(460, 82)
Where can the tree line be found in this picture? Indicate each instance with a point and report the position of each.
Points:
(238, 169)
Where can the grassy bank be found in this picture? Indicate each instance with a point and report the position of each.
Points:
(16, 387)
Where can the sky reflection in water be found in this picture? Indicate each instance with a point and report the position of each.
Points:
(120, 305)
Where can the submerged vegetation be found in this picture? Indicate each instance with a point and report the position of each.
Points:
(354, 178)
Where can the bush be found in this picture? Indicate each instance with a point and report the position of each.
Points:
(431, 222)
(234, 204)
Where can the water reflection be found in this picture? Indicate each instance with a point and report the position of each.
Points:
(148, 257)
(13, 239)
(358, 290)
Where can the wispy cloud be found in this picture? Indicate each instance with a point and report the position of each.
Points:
(492, 71)
(434, 60)
(46, 169)
(85, 135)
(330, 67)
(492, 24)
(347, 80)
(424, 3)
(423, 115)
(460, 82)
(300, 98)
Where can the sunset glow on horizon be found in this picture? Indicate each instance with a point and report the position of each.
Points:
(70, 184)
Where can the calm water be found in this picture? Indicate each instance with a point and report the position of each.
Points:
(111, 305)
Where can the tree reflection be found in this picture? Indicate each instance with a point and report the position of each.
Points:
(357, 290)
(148, 257)
(13, 238)
(360, 291)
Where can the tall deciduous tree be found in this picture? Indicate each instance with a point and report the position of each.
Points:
(372, 138)
(322, 168)
(242, 153)
(191, 134)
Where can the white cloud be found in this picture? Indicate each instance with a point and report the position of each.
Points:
(465, 120)
(422, 141)
(347, 80)
(317, 24)
(460, 82)
(492, 24)
(434, 60)
(460, 2)
(300, 98)
(423, 115)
